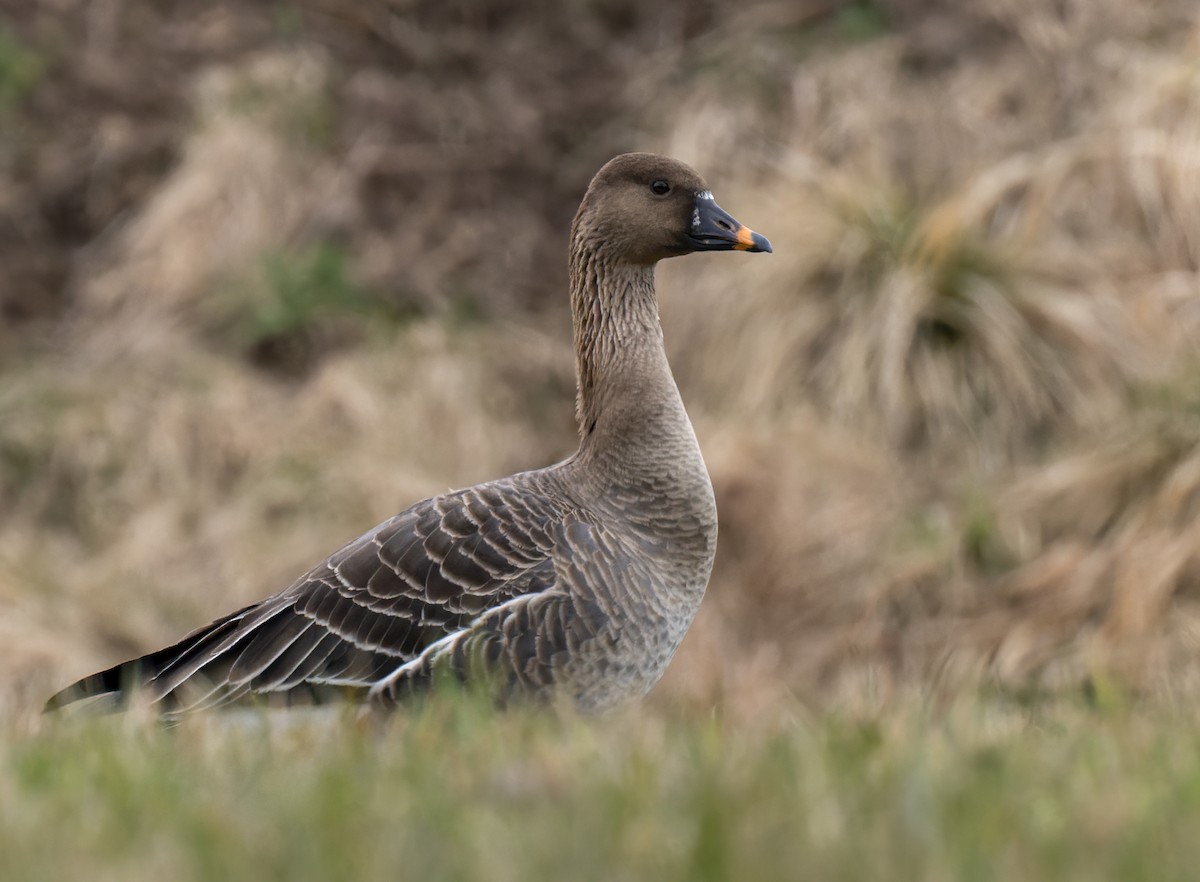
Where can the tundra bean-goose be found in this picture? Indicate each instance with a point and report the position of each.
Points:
(577, 580)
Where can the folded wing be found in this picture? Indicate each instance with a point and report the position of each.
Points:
(365, 612)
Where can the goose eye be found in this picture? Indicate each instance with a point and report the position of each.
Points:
(660, 188)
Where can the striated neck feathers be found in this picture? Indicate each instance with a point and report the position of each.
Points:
(625, 388)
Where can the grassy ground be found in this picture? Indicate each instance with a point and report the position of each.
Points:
(986, 789)
(951, 424)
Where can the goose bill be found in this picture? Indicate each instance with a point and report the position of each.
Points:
(713, 229)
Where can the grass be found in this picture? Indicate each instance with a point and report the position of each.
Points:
(936, 459)
(909, 318)
(280, 314)
(21, 69)
(986, 789)
(862, 20)
(934, 452)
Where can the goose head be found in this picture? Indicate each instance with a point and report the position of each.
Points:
(642, 208)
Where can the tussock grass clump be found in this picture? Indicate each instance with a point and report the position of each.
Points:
(977, 248)
(929, 323)
(1111, 549)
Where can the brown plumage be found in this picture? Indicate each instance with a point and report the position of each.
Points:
(580, 578)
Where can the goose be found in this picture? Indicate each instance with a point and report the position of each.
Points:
(577, 581)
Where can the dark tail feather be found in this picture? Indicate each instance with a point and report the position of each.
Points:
(115, 682)
(118, 683)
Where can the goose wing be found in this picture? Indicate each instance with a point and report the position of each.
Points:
(367, 610)
(598, 595)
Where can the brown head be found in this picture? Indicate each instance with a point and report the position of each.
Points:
(642, 208)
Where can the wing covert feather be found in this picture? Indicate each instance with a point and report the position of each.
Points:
(370, 608)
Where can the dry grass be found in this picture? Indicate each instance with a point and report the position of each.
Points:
(926, 414)
(147, 493)
(919, 323)
(1108, 535)
(954, 267)
(982, 260)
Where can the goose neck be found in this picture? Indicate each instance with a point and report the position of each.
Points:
(626, 394)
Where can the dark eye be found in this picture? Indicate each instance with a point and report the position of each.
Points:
(660, 188)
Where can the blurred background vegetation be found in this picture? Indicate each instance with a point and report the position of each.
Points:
(271, 271)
